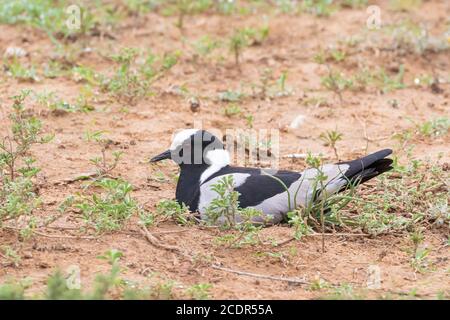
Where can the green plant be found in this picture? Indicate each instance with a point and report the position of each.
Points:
(354, 3)
(344, 291)
(180, 8)
(419, 254)
(132, 80)
(387, 83)
(416, 237)
(84, 99)
(146, 218)
(394, 206)
(58, 288)
(126, 83)
(404, 5)
(434, 128)
(103, 166)
(299, 222)
(323, 209)
(237, 43)
(320, 8)
(330, 55)
(268, 88)
(409, 37)
(59, 106)
(10, 254)
(199, 291)
(334, 81)
(249, 120)
(137, 7)
(172, 209)
(54, 69)
(282, 82)
(330, 138)
(205, 45)
(230, 96)
(419, 260)
(226, 6)
(287, 6)
(110, 285)
(52, 17)
(107, 211)
(17, 166)
(163, 290)
(17, 70)
(50, 101)
(13, 290)
(224, 209)
(319, 284)
(232, 110)
(186, 7)
(225, 206)
(245, 37)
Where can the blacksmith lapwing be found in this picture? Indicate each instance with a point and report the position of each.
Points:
(203, 161)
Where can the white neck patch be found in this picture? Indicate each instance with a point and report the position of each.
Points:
(181, 136)
(218, 159)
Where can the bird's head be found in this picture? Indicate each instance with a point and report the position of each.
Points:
(195, 147)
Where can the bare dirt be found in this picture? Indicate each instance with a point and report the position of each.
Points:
(146, 129)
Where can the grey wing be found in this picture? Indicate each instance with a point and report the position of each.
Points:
(301, 192)
(275, 208)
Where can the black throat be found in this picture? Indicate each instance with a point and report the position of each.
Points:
(188, 187)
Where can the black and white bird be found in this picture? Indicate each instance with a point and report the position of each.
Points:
(203, 161)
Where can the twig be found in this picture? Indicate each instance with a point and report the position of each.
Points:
(155, 242)
(78, 177)
(137, 233)
(62, 228)
(325, 234)
(279, 244)
(172, 231)
(338, 235)
(261, 276)
(63, 236)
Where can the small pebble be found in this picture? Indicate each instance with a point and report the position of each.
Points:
(14, 52)
(194, 104)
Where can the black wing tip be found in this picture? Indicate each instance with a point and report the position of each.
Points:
(384, 153)
(370, 166)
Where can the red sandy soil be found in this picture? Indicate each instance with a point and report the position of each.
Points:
(147, 127)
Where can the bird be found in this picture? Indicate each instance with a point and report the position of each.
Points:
(204, 161)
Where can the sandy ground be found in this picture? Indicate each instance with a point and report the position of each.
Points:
(146, 129)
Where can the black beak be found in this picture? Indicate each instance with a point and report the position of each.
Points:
(162, 156)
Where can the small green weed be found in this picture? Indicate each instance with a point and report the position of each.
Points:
(102, 165)
(107, 211)
(17, 166)
(330, 138)
(199, 291)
